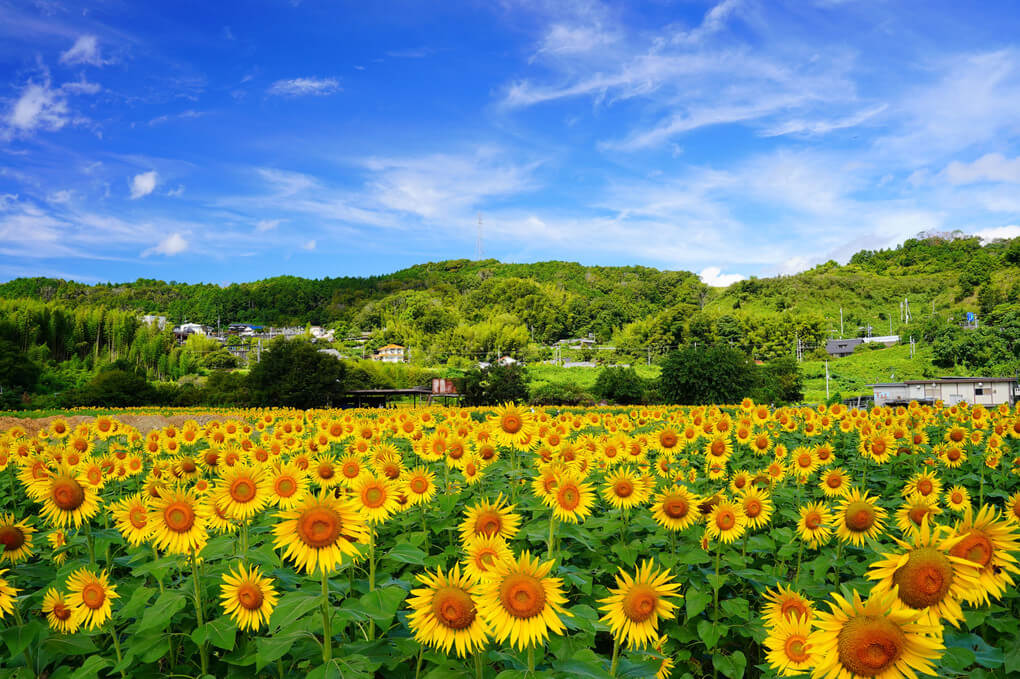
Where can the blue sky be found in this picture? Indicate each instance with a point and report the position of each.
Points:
(226, 142)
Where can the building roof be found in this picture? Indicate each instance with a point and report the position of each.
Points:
(956, 380)
(391, 346)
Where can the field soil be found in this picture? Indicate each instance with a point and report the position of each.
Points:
(143, 423)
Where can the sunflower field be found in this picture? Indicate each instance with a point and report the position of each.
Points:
(685, 542)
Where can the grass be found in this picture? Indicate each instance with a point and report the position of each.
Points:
(581, 377)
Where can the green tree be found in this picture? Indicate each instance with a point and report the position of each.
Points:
(620, 385)
(704, 375)
(293, 373)
(115, 388)
(780, 382)
(18, 374)
(494, 385)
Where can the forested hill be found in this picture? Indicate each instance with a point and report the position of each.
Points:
(472, 308)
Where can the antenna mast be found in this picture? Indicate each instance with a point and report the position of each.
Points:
(479, 250)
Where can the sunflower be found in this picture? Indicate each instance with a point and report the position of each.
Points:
(757, 506)
(783, 605)
(91, 597)
(248, 597)
(958, 498)
(15, 539)
(926, 576)
(726, 522)
(319, 531)
(67, 498)
(490, 518)
(633, 609)
(916, 511)
(675, 508)
(512, 426)
(719, 449)
(420, 485)
(131, 516)
(288, 485)
(178, 521)
(879, 446)
(522, 602)
(58, 613)
(571, 500)
(879, 637)
(242, 491)
(858, 518)
(375, 497)
(444, 612)
(7, 595)
(789, 652)
(803, 462)
(1012, 510)
(482, 554)
(988, 542)
(815, 524)
(835, 483)
(624, 489)
(325, 471)
(925, 484)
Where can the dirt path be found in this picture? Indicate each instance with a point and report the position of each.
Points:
(143, 423)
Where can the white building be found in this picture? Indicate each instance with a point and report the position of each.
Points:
(391, 353)
(986, 391)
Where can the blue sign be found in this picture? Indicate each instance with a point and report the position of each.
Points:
(970, 316)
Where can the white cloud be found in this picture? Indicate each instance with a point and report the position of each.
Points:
(143, 184)
(713, 22)
(991, 167)
(995, 233)
(267, 225)
(714, 276)
(39, 107)
(59, 197)
(174, 193)
(297, 87)
(174, 244)
(309, 245)
(84, 51)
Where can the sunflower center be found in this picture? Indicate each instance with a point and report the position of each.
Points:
(488, 524)
(718, 447)
(212, 458)
(242, 490)
(522, 595)
(285, 486)
(878, 447)
(834, 481)
(373, 497)
(179, 517)
(860, 516)
(188, 466)
(325, 471)
(813, 520)
(569, 497)
(725, 519)
(623, 488)
(925, 487)
(668, 439)
(639, 603)
(956, 498)
(93, 595)
(796, 648)
(976, 547)
(11, 538)
(67, 493)
(804, 460)
(138, 517)
(319, 527)
(918, 512)
(956, 435)
(453, 608)
(794, 608)
(953, 454)
(419, 485)
(250, 596)
(675, 508)
(61, 612)
(511, 423)
(868, 646)
(752, 508)
(486, 559)
(925, 579)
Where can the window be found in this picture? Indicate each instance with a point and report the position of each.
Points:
(979, 391)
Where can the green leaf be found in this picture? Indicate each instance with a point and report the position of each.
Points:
(21, 637)
(382, 604)
(731, 666)
(697, 601)
(292, 606)
(76, 645)
(710, 633)
(580, 668)
(220, 632)
(135, 604)
(957, 659)
(405, 553)
(1012, 660)
(159, 615)
(90, 668)
(737, 608)
(269, 649)
(984, 654)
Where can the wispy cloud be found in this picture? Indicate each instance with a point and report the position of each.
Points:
(991, 167)
(84, 51)
(300, 87)
(143, 184)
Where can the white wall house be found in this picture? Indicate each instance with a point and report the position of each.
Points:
(987, 391)
(391, 353)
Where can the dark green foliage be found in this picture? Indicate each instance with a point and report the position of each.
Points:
(780, 382)
(560, 394)
(18, 374)
(620, 385)
(494, 384)
(293, 373)
(703, 375)
(221, 359)
(115, 388)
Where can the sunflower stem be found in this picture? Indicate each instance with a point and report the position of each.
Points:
(106, 525)
(715, 587)
(800, 553)
(203, 650)
(981, 488)
(91, 543)
(424, 527)
(327, 632)
(116, 647)
(616, 657)
(29, 662)
(371, 576)
(552, 533)
(421, 655)
(479, 673)
(531, 659)
(10, 477)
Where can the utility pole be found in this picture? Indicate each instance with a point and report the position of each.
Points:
(841, 322)
(826, 381)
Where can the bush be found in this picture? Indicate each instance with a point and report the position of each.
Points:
(293, 373)
(707, 375)
(559, 394)
(620, 385)
(494, 385)
(115, 388)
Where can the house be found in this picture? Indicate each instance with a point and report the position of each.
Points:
(182, 331)
(507, 360)
(844, 347)
(149, 319)
(986, 391)
(391, 353)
